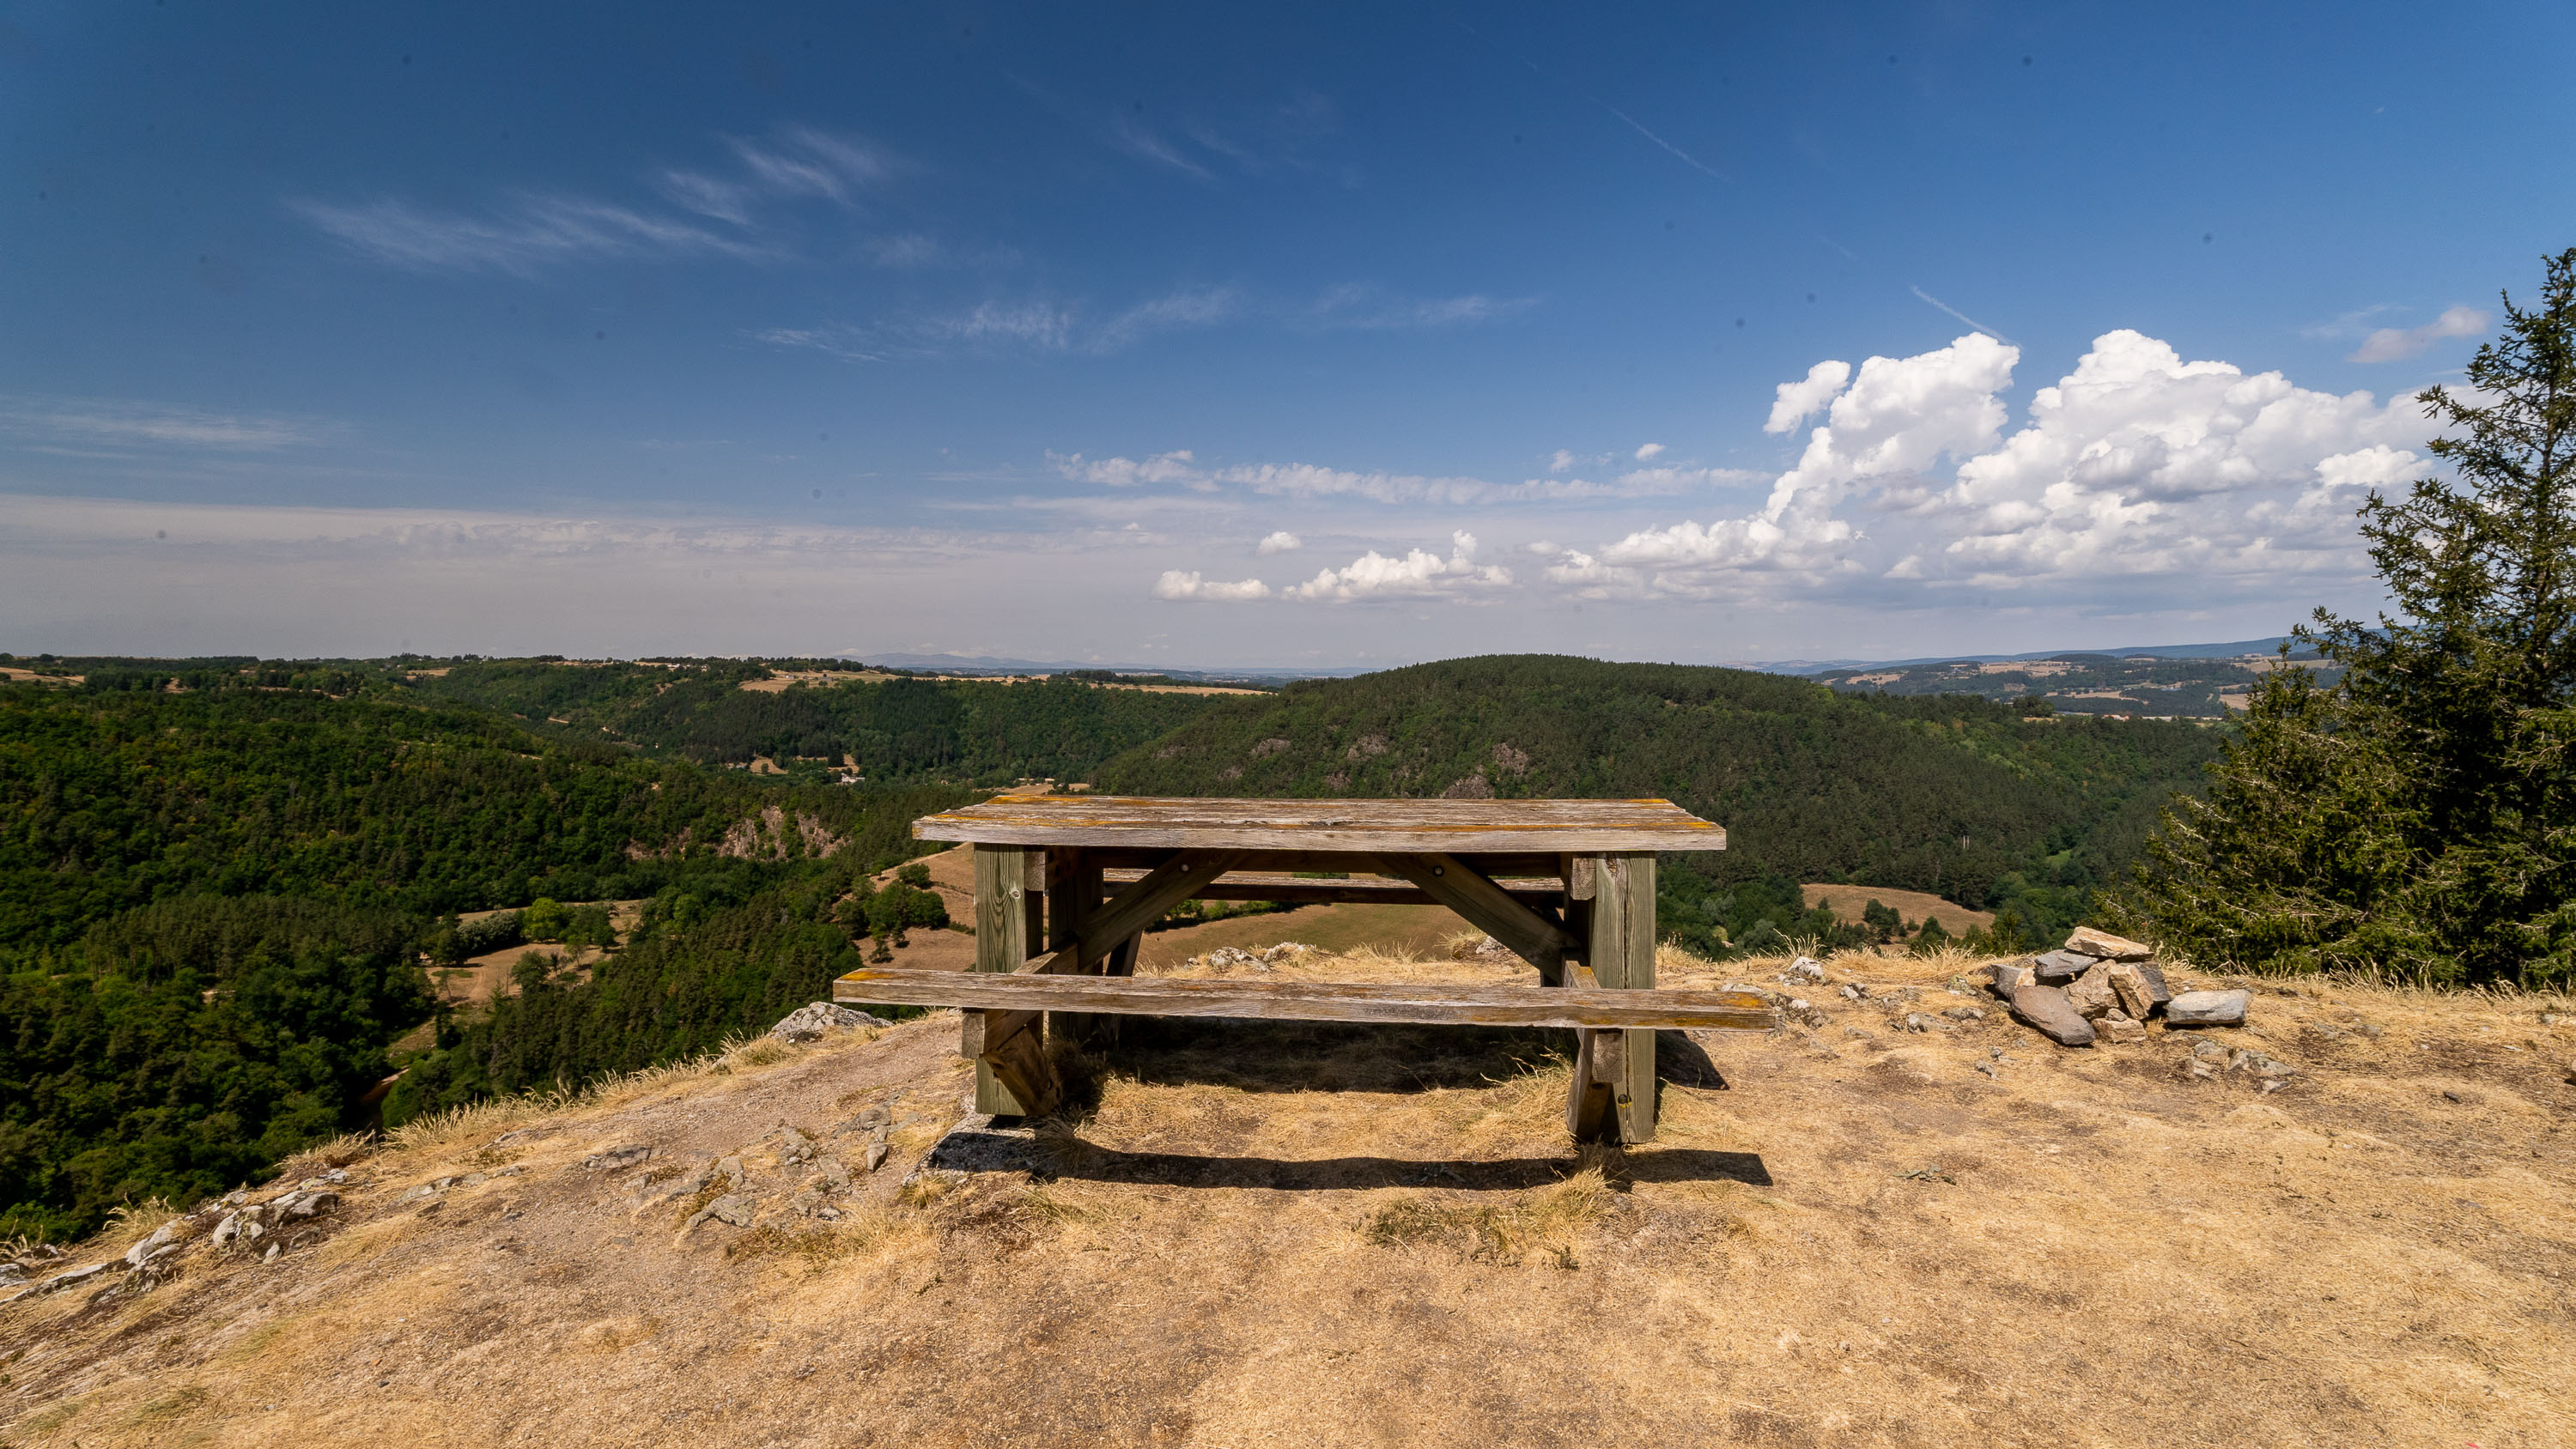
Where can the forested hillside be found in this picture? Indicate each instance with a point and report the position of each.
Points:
(213, 906)
(218, 877)
(118, 799)
(1963, 797)
(894, 730)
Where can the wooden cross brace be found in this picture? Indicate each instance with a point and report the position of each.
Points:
(1523, 931)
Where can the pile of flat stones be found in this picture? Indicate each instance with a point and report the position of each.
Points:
(2101, 987)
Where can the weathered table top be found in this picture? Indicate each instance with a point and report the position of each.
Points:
(1405, 827)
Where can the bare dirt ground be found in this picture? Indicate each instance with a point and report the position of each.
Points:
(474, 983)
(819, 678)
(1848, 901)
(1244, 1235)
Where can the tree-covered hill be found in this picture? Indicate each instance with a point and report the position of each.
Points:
(114, 800)
(213, 906)
(895, 730)
(1958, 796)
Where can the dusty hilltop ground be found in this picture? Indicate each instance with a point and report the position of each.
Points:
(1848, 1234)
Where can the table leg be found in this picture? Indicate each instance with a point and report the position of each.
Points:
(1073, 893)
(1613, 1086)
(1013, 1077)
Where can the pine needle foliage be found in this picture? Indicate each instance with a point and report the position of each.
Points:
(2420, 815)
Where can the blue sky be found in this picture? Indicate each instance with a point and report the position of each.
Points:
(1210, 336)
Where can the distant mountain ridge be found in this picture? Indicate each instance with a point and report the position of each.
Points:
(2152, 651)
(992, 664)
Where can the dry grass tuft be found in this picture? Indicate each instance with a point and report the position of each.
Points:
(128, 1224)
(440, 1130)
(340, 1151)
(176, 1404)
(1543, 1223)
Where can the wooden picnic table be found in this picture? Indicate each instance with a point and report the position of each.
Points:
(1066, 885)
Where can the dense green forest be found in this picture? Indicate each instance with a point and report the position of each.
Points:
(893, 730)
(219, 878)
(213, 906)
(1963, 797)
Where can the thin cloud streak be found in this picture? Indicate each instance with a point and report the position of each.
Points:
(529, 232)
(1958, 315)
(156, 424)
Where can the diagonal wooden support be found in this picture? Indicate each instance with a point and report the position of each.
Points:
(1524, 932)
(1142, 904)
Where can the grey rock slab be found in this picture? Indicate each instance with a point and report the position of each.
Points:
(2208, 1008)
(2120, 1027)
(2059, 967)
(808, 1023)
(2046, 1010)
(2265, 1067)
(61, 1281)
(2003, 976)
(732, 1208)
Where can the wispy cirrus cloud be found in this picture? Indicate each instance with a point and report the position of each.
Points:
(525, 232)
(1360, 307)
(520, 237)
(127, 423)
(1029, 324)
(1251, 140)
(1045, 324)
(1146, 144)
(2388, 344)
(1311, 482)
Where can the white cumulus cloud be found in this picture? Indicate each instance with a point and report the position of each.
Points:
(1419, 574)
(1280, 542)
(2136, 465)
(1647, 451)
(1186, 584)
(1803, 399)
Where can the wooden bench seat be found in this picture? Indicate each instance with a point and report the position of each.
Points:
(1429, 1003)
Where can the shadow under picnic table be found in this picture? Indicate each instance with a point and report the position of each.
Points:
(1088, 1162)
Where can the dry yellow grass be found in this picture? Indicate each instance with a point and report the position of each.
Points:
(1309, 1234)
